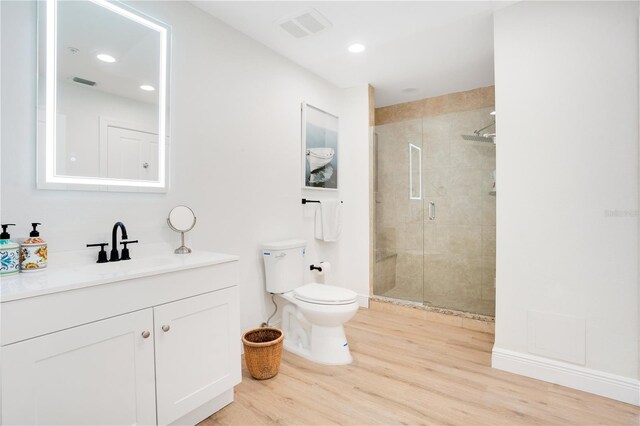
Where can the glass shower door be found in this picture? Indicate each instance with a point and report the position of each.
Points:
(459, 232)
(399, 212)
(435, 201)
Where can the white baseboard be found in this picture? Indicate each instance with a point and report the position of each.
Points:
(363, 300)
(593, 381)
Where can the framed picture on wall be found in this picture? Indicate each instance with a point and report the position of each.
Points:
(319, 149)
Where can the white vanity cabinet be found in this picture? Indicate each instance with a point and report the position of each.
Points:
(155, 349)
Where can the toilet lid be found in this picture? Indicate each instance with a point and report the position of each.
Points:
(324, 294)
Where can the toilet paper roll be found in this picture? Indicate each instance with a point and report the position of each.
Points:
(326, 268)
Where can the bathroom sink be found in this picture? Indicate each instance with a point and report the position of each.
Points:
(72, 270)
(132, 265)
(128, 267)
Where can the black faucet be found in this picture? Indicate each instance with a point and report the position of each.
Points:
(114, 257)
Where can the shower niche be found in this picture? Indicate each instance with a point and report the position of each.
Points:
(435, 202)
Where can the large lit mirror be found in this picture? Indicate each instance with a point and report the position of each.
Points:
(102, 97)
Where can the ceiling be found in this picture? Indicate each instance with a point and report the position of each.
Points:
(415, 49)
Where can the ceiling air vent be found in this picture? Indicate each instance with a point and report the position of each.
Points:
(305, 23)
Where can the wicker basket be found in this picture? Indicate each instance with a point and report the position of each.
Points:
(262, 351)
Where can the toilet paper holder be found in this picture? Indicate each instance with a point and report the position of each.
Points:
(322, 268)
(314, 267)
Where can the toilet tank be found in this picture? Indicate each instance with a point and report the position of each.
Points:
(283, 265)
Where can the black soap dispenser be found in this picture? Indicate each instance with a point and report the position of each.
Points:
(9, 253)
(34, 251)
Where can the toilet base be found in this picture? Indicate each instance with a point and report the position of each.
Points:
(328, 346)
(316, 332)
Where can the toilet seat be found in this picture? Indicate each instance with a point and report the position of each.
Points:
(323, 294)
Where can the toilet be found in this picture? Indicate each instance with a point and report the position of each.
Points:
(313, 319)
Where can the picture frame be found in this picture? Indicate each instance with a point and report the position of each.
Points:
(320, 149)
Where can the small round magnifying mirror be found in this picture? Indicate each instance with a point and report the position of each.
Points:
(181, 219)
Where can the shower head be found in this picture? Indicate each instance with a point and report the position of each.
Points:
(487, 137)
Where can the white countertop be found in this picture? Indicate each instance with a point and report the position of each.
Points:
(72, 270)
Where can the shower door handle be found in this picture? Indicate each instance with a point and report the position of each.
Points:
(432, 210)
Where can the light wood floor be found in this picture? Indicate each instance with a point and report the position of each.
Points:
(406, 371)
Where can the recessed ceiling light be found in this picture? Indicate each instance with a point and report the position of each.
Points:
(106, 58)
(147, 88)
(492, 113)
(357, 48)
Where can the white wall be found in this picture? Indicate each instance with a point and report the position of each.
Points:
(235, 154)
(567, 207)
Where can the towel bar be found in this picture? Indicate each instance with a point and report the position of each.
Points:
(305, 201)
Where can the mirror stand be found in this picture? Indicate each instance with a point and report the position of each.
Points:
(182, 249)
(181, 219)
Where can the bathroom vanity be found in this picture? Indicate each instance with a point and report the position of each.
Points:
(154, 340)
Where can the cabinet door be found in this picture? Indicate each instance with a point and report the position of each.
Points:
(197, 351)
(95, 374)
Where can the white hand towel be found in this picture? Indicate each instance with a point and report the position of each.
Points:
(328, 220)
(318, 223)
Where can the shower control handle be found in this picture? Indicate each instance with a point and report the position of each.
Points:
(432, 210)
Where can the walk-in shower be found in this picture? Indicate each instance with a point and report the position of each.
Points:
(434, 239)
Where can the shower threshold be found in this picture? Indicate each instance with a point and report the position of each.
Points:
(470, 320)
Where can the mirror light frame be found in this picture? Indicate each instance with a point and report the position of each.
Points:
(50, 176)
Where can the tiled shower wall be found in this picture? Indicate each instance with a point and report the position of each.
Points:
(447, 262)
